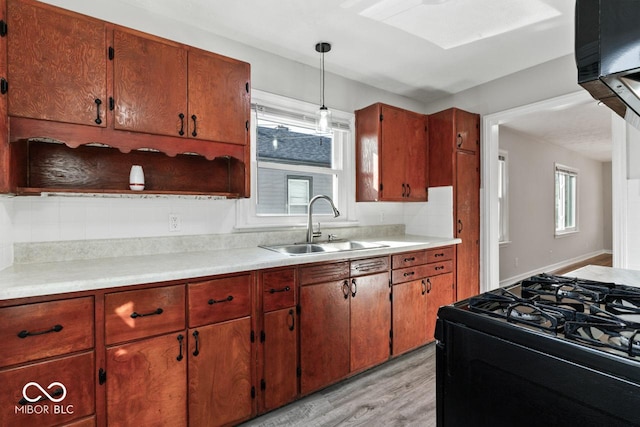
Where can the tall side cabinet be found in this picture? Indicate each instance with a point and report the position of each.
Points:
(454, 160)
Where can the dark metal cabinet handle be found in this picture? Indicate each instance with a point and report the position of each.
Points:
(4, 86)
(409, 273)
(345, 289)
(439, 255)
(354, 288)
(404, 190)
(409, 259)
(180, 341)
(181, 117)
(195, 337)
(459, 226)
(408, 190)
(285, 289)
(98, 103)
(227, 299)
(429, 286)
(194, 133)
(292, 325)
(158, 311)
(439, 267)
(424, 287)
(24, 334)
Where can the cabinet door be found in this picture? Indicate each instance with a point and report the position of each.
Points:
(220, 373)
(467, 132)
(64, 387)
(56, 71)
(468, 225)
(324, 334)
(409, 315)
(280, 358)
(146, 382)
(219, 98)
(370, 320)
(393, 151)
(150, 85)
(416, 150)
(441, 290)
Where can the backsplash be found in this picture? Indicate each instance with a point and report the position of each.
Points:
(6, 232)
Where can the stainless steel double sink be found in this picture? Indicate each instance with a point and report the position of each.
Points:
(320, 247)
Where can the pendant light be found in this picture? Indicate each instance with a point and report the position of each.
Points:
(323, 115)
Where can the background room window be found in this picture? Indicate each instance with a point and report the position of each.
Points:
(298, 193)
(503, 201)
(566, 206)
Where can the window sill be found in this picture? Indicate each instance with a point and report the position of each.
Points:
(560, 235)
(293, 227)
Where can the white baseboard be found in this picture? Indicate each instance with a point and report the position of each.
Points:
(552, 267)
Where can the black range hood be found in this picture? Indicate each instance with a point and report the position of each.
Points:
(607, 49)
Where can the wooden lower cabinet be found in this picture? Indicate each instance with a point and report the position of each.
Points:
(441, 290)
(146, 382)
(220, 373)
(409, 315)
(69, 380)
(324, 334)
(280, 358)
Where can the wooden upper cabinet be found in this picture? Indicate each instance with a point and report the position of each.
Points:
(391, 154)
(219, 98)
(150, 85)
(57, 65)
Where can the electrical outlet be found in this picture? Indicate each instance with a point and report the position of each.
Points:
(174, 222)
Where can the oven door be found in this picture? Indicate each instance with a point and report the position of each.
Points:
(485, 380)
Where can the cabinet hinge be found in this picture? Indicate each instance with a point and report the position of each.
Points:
(391, 297)
(391, 333)
(112, 53)
(253, 392)
(3, 28)
(246, 125)
(4, 86)
(298, 371)
(102, 376)
(253, 336)
(262, 336)
(380, 186)
(298, 309)
(263, 385)
(381, 117)
(112, 103)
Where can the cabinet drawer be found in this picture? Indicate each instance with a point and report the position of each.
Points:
(402, 275)
(219, 299)
(147, 312)
(34, 331)
(437, 268)
(73, 375)
(409, 259)
(324, 273)
(361, 267)
(278, 289)
(440, 254)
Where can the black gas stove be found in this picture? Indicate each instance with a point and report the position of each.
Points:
(551, 350)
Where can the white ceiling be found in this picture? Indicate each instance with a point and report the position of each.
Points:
(422, 49)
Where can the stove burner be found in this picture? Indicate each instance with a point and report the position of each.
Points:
(610, 335)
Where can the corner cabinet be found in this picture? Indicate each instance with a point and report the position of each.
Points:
(87, 99)
(391, 154)
(454, 155)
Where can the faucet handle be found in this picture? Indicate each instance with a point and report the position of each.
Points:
(331, 237)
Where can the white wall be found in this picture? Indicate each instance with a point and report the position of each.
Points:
(607, 207)
(33, 219)
(531, 206)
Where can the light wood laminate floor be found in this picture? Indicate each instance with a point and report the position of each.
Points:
(399, 393)
(603, 259)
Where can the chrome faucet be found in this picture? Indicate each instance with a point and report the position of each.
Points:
(336, 213)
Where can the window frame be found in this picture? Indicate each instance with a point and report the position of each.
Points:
(567, 170)
(300, 111)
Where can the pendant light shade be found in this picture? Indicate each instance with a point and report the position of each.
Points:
(323, 115)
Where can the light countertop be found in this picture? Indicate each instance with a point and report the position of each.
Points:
(607, 274)
(48, 278)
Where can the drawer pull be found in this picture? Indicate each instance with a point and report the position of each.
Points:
(285, 289)
(180, 340)
(354, 288)
(439, 255)
(424, 287)
(227, 299)
(195, 337)
(440, 267)
(135, 315)
(410, 273)
(429, 286)
(345, 289)
(410, 259)
(292, 325)
(24, 334)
